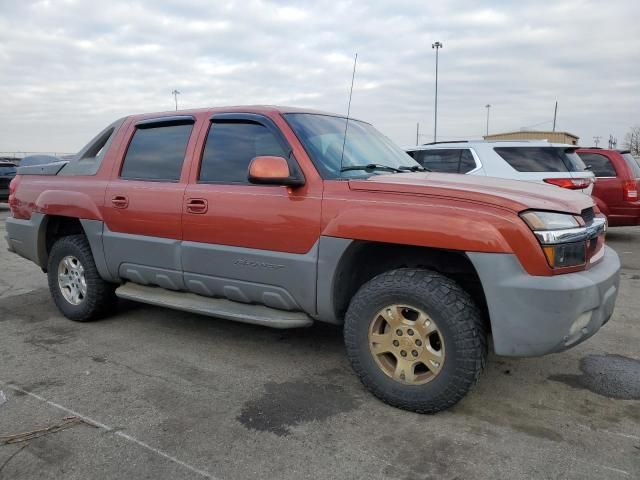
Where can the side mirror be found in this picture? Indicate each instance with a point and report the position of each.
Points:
(268, 170)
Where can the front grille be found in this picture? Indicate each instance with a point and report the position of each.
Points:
(588, 215)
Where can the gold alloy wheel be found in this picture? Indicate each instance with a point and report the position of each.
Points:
(406, 344)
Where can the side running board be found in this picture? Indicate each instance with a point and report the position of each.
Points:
(214, 307)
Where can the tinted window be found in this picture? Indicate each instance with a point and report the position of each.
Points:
(600, 165)
(230, 148)
(156, 153)
(7, 170)
(446, 160)
(633, 163)
(541, 159)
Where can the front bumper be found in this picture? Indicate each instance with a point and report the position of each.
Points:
(535, 315)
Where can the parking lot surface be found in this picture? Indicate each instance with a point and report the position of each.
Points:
(154, 393)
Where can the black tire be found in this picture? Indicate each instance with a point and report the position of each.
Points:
(457, 318)
(100, 296)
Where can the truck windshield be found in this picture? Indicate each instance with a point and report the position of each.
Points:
(323, 137)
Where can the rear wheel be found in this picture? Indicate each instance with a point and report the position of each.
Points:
(416, 339)
(74, 282)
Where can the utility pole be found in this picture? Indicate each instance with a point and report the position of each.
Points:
(437, 46)
(418, 133)
(488, 107)
(175, 94)
(596, 140)
(555, 114)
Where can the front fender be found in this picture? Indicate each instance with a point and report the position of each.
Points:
(461, 226)
(443, 227)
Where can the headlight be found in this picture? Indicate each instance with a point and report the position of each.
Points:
(563, 239)
(549, 220)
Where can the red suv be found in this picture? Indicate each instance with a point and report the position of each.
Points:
(617, 184)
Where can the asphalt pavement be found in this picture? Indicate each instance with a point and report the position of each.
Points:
(160, 394)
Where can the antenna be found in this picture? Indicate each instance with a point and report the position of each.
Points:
(346, 125)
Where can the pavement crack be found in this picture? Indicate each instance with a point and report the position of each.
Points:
(6, 462)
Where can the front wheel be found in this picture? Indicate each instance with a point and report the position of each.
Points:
(74, 282)
(416, 339)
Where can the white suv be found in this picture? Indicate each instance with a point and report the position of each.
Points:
(532, 161)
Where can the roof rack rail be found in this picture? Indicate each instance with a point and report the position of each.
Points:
(446, 141)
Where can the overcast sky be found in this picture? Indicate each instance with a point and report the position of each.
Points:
(68, 68)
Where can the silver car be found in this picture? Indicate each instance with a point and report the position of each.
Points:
(532, 161)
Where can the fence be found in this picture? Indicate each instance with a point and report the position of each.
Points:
(17, 156)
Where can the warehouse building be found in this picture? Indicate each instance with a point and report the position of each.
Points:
(553, 137)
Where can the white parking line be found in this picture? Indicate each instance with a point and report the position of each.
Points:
(120, 434)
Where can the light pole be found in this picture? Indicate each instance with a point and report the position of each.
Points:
(488, 107)
(437, 46)
(175, 94)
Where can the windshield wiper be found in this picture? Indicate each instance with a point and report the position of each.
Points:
(371, 167)
(415, 168)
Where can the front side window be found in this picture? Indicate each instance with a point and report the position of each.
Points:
(230, 147)
(332, 150)
(156, 153)
(600, 165)
(450, 160)
(541, 159)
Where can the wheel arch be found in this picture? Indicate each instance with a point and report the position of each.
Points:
(54, 227)
(360, 261)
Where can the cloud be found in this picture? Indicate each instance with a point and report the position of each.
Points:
(71, 67)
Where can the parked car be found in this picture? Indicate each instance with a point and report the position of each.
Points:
(273, 216)
(618, 181)
(7, 172)
(533, 161)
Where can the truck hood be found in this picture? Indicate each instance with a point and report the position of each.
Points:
(511, 194)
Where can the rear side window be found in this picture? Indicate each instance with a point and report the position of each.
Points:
(600, 165)
(633, 164)
(541, 159)
(445, 160)
(230, 147)
(88, 160)
(156, 153)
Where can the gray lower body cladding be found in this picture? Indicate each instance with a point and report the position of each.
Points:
(533, 316)
(27, 239)
(279, 280)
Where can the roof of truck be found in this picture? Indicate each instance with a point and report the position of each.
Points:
(259, 109)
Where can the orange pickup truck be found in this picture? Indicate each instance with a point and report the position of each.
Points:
(284, 217)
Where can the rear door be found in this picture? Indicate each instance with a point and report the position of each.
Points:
(249, 243)
(554, 165)
(143, 206)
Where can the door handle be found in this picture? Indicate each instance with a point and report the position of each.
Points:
(119, 201)
(197, 205)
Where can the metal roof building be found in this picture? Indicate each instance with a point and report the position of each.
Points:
(553, 137)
